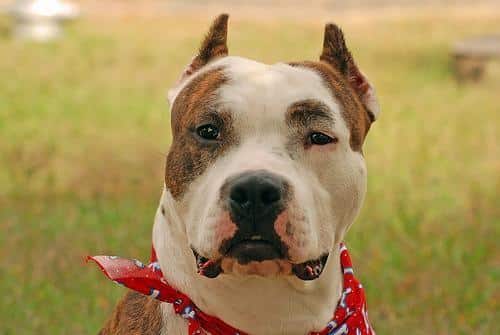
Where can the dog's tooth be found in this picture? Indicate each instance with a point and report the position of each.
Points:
(256, 238)
(200, 260)
(310, 270)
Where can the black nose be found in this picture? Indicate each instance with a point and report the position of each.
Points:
(256, 194)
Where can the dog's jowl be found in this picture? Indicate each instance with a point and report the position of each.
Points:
(264, 177)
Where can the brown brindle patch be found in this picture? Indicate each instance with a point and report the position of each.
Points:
(353, 110)
(135, 314)
(304, 113)
(336, 53)
(195, 105)
(302, 116)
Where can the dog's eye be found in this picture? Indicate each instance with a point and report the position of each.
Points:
(208, 132)
(321, 139)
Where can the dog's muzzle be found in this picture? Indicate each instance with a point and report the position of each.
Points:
(254, 200)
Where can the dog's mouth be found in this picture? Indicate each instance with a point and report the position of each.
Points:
(310, 270)
(246, 252)
(207, 267)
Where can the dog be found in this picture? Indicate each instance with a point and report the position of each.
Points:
(264, 177)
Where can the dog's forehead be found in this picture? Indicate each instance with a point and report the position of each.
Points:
(254, 87)
(246, 86)
(259, 95)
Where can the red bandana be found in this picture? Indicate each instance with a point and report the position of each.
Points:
(350, 317)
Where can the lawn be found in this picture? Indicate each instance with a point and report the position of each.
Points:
(84, 128)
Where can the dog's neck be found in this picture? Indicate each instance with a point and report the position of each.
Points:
(256, 305)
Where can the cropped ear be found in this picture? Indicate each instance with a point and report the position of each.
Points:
(335, 53)
(213, 46)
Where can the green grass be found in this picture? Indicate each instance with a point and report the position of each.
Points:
(84, 129)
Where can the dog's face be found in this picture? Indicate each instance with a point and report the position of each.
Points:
(266, 163)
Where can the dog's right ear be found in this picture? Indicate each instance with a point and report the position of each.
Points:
(213, 46)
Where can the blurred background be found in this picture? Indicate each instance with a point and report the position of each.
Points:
(84, 129)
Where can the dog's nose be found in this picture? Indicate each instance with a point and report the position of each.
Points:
(256, 193)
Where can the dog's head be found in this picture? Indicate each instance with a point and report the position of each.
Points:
(266, 163)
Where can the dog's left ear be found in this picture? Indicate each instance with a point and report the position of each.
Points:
(335, 53)
(213, 46)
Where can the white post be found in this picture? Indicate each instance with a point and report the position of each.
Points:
(41, 20)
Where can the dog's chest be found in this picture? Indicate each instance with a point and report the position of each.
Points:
(172, 323)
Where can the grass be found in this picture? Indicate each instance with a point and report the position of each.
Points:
(84, 129)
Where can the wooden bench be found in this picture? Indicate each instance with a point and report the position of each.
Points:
(471, 56)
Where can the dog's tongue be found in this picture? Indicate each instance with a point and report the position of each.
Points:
(208, 267)
(310, 270)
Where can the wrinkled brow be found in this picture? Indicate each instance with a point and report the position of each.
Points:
(309, 112)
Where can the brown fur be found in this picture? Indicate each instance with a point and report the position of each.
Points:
(189, 156)
(303, 116)
(336, 53)
(135, 314)
(303, 113)
(214, 45)
(353, 110)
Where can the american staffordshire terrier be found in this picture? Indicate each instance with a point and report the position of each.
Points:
(264, 177)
